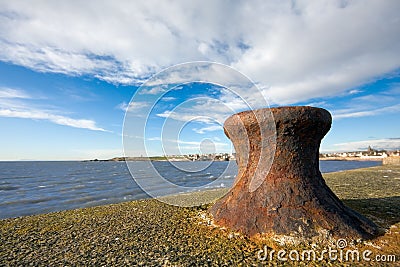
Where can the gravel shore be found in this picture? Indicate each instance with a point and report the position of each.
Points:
(152, 233)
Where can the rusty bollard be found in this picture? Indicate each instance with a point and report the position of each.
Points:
(291, 197)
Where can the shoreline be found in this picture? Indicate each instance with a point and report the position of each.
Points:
(120, 159)
(351, 159)
(151, 233)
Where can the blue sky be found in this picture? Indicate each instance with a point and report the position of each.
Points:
(68, 73)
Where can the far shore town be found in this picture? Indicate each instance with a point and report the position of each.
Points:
(369, 154)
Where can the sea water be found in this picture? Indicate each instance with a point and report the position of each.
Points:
(35, 187)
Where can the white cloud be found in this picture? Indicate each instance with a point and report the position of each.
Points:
(316, 104)
(165, 114)
(185, 117)
(296, 51)
(168, 98)
(351, 113)
(376, 99)
(208, 129)
(210, 110)
(153, 90)
(133, 106)
(57, 119)
(12, 93)
(383, 102)
(354, 91)
(153, 139)
(12, 106)
(394, 90)
(387, 144)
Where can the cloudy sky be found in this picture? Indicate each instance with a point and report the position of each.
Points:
(69, 69)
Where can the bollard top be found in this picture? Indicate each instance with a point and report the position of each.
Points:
(296, 117)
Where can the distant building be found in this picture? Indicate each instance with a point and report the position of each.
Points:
(370, 153)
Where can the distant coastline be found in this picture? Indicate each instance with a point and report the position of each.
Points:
(352, 158)
(368, 155)
(130, 159)
(162, 158)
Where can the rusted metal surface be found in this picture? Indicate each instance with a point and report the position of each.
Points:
(290, 196)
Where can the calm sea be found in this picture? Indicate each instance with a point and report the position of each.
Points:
(28, 188)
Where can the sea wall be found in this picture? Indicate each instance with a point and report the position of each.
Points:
(391, 161)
